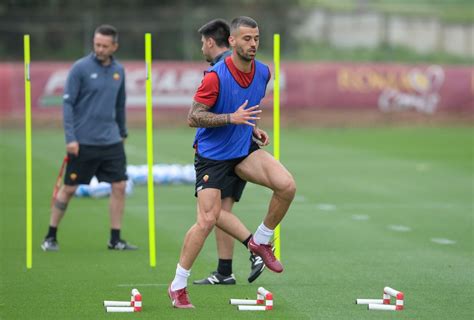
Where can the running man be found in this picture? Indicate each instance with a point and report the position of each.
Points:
(223, 142)
(215, 48)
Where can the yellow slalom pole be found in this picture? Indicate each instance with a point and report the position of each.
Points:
(149, 149)
(276, 123)
(29, 171)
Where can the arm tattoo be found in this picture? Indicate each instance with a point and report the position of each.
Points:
(200, 116)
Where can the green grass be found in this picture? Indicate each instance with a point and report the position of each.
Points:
(336, 242)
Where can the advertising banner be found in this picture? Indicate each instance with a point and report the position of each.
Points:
(385, 87)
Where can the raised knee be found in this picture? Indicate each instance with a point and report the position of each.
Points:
(287, 188)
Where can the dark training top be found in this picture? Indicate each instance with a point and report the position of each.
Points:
(94, 102)
(221, 57)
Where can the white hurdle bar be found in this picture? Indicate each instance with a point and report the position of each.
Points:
(120, 309)
(263, 302)
(385, 307)
(117, 303)
(369, 301)
(245, 301)
(384, 303)
(254, 308)
(134, 305)
(398, 295)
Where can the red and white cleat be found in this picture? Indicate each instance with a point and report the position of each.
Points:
(265, 251)
(179, 298)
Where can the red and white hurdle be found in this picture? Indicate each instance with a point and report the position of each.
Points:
(134, 305)
(384, 303)
(263, 302)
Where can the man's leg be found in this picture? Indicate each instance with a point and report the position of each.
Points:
(261, 168)
(117, 204)
(209, 207)
(234, 189)
(231, 225)
(58, 210)
(225, 251)
(208, 210)
(116, 209)
(60, 204)
(225, 243)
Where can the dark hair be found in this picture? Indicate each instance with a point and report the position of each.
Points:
(107, 30)
(242, 21)
(217, 29)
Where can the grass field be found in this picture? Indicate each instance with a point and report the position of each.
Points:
(371, 208)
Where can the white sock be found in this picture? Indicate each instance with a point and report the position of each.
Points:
(180, 279)
(262, 235)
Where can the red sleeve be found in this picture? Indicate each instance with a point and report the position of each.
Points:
(208, 91)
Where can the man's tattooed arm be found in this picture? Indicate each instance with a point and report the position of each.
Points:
(199, 116)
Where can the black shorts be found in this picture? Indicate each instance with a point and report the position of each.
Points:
(107, 163)
(233, 187)
(220, 174)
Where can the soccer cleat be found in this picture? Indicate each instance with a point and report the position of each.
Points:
(265, 251)
(216, 278)
(121, 245)
(256, 267)
(179, 298)
(50, 244)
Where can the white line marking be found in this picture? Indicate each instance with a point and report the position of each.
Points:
(419, 205)
(422, 167)
(299, 198)
(399, 228)
(143, 285)
(401, 206)
(443, 241)
(326, 206)
(360, 217)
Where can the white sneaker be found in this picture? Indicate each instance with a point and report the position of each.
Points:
(50, 244)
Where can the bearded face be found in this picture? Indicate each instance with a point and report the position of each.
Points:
(245, 42)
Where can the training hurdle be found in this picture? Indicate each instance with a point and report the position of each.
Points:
(384, 303)
(263, 302)
(134, 305)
